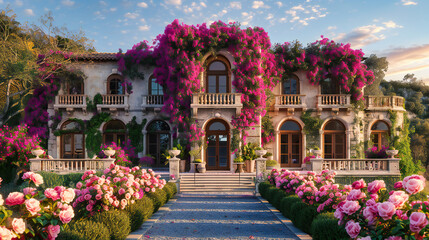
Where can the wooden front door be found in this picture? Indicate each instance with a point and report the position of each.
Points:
(217, 154)
(334, 140)
(290, 144)
(158, 141)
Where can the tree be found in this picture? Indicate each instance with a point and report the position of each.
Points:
(379, 67)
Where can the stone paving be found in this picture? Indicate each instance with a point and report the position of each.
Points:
(195, 216)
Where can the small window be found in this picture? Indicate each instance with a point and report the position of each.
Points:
(335, 125)
(155, 88)
(217, 75)
(380, 126)
(291, 85)
(217, 66)
(329, 86)
(217, 126)
(158, 125)
(114, 85)
(290, 126)
(75, 87)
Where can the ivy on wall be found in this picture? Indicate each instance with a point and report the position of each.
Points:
(135, 133)
(311, 128)
(94, 139)
(267, 130)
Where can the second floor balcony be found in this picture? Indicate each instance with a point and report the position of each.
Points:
(70, 102)
(216, 100)
(114, 102)
(290, 102)
(383, 103)
(333, 101)
(154, 102)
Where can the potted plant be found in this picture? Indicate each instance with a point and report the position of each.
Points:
(268, 156)
(37, 152)
(317, 152)
(271, 164)
(238, 161)
(109, 152)
(174, 152)
(391, 152)
(201, 167)
(248, 155)
(260, 151)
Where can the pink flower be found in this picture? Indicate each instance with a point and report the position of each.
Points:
(66, 215)
(37, 179)
(398, 185)
(52, 194)
(355, 194)
(89, 207)
(350, 207)
(418, 221)
(18, 225)
(15, 198)
(78, 185)
(394, 238)
(6, 234)
(376, 185)
(368, 214)
(121, 191)
(386, 210)
(32, 205)
(53, 231)
(413, 186)
(353, 228)
(359, 184)
(398, 198)
(365, 238)
(29, 190)
(67, 195)
(87, 197)
(339, 214)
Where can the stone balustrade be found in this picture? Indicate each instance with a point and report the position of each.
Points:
(384, 103)
(70, 102)
(333, 101)
(358, 167)
(68, 165)
(290, 101)
(216, 100)
(113, 102)
(152, 101)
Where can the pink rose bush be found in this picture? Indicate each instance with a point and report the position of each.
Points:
(117, 188)
(35, 214)
(121, 157)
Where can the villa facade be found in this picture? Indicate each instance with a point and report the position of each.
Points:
(344, 129)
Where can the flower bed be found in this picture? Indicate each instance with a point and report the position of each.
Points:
(359, 211)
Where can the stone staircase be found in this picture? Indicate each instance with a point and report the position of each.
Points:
(217, 182)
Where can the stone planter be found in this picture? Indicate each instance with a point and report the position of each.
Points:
(173, 153)
(318, 153)
(392, 153)
(250, 165)
(239, 167)
(201, 167)
(109, 153)
(260, 153)
(37, 152)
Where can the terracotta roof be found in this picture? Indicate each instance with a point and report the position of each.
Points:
(99, 56)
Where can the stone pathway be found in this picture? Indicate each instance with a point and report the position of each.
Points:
(204, 216)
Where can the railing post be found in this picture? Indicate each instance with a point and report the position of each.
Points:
(316, 164)
(393, 165)
(35, 164)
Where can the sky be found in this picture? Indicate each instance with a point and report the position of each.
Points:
(396, 29)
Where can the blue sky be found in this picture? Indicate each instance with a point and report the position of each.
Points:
(396, 29)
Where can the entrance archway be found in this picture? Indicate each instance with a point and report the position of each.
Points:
(218, 140)
(290, 144)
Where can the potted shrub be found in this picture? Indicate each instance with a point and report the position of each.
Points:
(391, 152)
(260, 151)
(248, 155)
(271, 164)
(238, 161)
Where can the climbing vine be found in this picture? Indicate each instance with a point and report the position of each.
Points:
(267, 130)
(311, 129)
(135, 133)
(94, 139)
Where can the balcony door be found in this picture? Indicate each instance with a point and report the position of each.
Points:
(217, 75)
(380, 134)
(115, 132)
(217, 137)
(330, 86)
(334, 140)
(290, 85)
(158, 140)
(290, 144)
(72, 140)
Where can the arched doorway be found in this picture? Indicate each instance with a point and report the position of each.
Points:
(290, 144)
(380, 134)
(217, 138)
(158, 140)
(114, 131)
(72, 140)
(334, 140)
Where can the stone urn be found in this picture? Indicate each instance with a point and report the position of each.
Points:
(173, 153)
(109, 153)
(392, 153)
(201, 167)
(37, 152)
(318, 153)
(260, 153)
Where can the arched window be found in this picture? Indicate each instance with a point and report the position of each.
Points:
(217, 75)
(217, 137)
(155, 88)
(114, 131)
(72, 140)
(291, 85)
(380, 133)
(329, 86)
(334, 140)
(75, 87)
(158, 140)
(114, 84)
(290, 144)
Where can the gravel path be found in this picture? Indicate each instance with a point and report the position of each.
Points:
(218, 217)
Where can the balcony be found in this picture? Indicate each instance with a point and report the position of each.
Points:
(70, 102)
(154, 102)
(68, 165)
(290, 102)
(383, 103)
(333, 101)
(217, 101)
(114, 102)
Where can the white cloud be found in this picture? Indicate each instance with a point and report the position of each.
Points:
(142, 4)
(173, 2)
(392, 24)
(302, 14)
(29, 12)
(298, 8)
(113, 9)
(408, 2)
(124, 31)
(235, 5)
(270, 16)
(279, 4)
(142, 20)
(68, 3)
(144, 28)
(103, 3)
(203, 4)
(283, 19)
(1, 1)
(403, 60)
(259, 4)
(244, 14)
(18, 3)
(131, 15)
(332, 27)
(362, 36)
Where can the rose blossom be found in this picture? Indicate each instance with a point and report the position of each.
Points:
(5, 234)
(386, 210)
(365, 238)
(368, 214)
(18, 225)
(418, 221)
(398, 185)
(394, 238)
(350, 207)
(66, 215)
(339, 214)
(15, 198)
(53, 231)
(78, 185)
(67, 195)
(32, 205)
(413, 186)
(376, 185)
(52, 194)
(398, 198)
(352, 228)
(355, 194)
(37, 179)
(359, 184)
(29, 190)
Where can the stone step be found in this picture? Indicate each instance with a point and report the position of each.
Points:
(217, 190)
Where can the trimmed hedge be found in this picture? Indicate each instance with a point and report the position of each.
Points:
(158, 197)
(286, 204)
(277, 198)
(70, 235)
(262, 188)
(325, 227)
(296, 210)
(91, 230)
(136, 213)
(169, 191)
(118, 223)
(172, 186)
(51, 180)
(306, 217)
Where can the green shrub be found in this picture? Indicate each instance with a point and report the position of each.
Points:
(148, 207)
(306, 217)
(70, 235)
(325, 227)
(172, 186)
(286, 204)
(262, 188)
(296, 210)
(270, 193)
(117, 222)
(158, 197)
(136, 213)
(7, 172)
(277, 198)
(91, 230)
(51, 180)
(169, 192)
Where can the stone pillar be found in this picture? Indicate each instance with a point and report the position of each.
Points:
(393, 165)
(260, 166)
(316, 164)
(107, 162)
(174, 164)
(35, 164)
(144, 142)
(348, 143)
